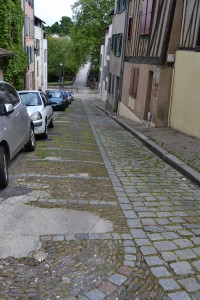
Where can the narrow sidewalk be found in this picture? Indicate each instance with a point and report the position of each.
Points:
(179, 150)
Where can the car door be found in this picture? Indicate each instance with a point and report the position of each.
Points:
(18, 124)
(48, 108)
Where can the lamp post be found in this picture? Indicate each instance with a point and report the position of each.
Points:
(61, 78)
(64, 50)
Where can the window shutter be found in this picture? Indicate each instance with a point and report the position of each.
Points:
(143, 17)
(148, 17)
(134, 82)
(130, 27)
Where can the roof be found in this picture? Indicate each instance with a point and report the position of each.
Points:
(5, 53)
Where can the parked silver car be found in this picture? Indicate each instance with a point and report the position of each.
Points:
(16, 129)
(39, 110)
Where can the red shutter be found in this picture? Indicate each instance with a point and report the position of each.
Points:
(143, 17)
(148, 17)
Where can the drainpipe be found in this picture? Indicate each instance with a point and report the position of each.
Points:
(123, 53)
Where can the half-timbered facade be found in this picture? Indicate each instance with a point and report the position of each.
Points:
(153, 32)
(185, 100)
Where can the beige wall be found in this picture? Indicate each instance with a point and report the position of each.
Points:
(185, 102)
(153, 93)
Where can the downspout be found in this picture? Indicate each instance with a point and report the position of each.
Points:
(123, 53)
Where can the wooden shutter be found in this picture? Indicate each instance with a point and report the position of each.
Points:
(130, 27)
(134, 82)
(143, 17)
(148, 17)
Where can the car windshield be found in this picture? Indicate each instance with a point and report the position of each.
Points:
(54, 95)
(31, 99)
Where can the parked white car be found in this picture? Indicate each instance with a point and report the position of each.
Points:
(16, 129)
(40, 111)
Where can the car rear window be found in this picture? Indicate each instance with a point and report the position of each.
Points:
(30, 99)
(54, 95)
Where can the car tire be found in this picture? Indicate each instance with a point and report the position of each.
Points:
(45, 134)
(51, 124)
(30, 146)
(3, 168)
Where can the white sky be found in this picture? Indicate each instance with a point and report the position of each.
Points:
(51, 11)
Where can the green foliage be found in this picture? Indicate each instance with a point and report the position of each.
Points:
(91, 17)
(62, 28)
(11, 24)
(58, 53)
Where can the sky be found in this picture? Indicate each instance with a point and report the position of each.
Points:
(51, 11)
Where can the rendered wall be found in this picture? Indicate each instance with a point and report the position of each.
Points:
(185, 102)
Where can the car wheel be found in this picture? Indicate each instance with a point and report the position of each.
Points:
(51, 124)
(3, 168)
(45, 134)
(30, 146)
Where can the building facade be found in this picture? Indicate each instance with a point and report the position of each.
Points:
(29, 43)
(185, 104)
(40, 52)
(153, 31)
(104, 64)
(116, 56)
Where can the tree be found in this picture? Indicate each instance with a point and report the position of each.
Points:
(58, 53)
(62, 27)
(90, 18)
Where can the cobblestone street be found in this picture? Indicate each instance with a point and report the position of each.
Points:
(91, 164)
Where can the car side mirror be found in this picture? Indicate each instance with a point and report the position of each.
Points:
(9, 108)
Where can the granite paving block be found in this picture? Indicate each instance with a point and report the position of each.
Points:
(185, 254)
(182, 268)
(117, 279)
(179, 296)
(95, 295)
(148, 250)
(165, 246)
(169, 284)
(160, 272)
(154, 260)
(190, 284)
(183, 243)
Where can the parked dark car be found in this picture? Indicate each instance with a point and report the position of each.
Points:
(57, 99)
(16, 129)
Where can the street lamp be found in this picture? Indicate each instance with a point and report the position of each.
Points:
(61, 78)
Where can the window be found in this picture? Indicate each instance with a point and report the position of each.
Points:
(130, 27)
(121, 5)
(134, 82)
(14, 99)
(26, 25)
(119, 44)
(146, 14)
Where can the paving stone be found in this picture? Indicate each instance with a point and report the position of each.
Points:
(117, 279)
(128, 243)
(134, 223)
(95, 295)
(154, 229)
(197, 264)
(153, 261)
(130, 250)
(179, 296)
(108, 288)
(165, 245)
(58, 238)
(142, 242)
(126, 236)
(155, 236)
(130, 214)
(125, 270)
(138, 233)
(196, 296)
(190, 284)
(169, 284)
(170, 235)
(160, 272)
(148, 250)
(185, 254)
(183, 243)
(129, 263)
(130, 257)
(182, 268)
